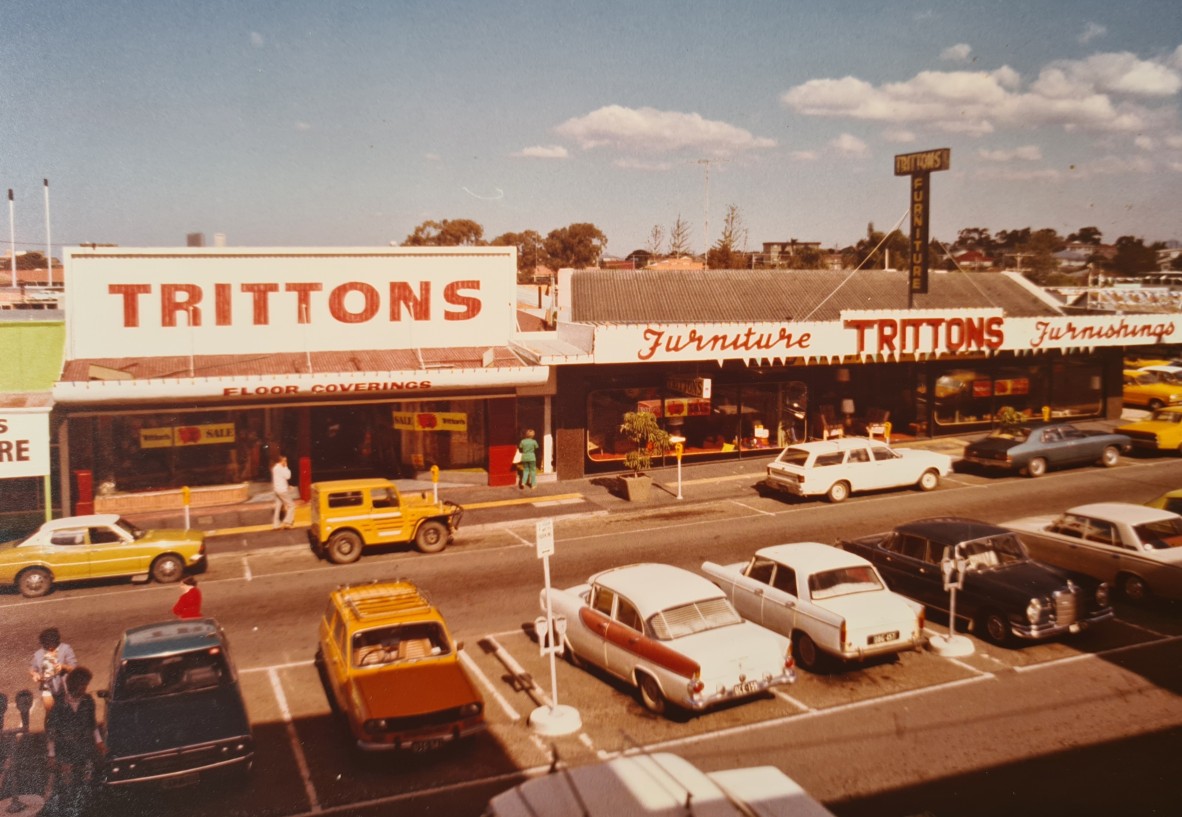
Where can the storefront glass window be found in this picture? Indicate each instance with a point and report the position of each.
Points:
(157, 451)
(1078, 388)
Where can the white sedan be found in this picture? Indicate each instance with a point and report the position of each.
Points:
(672, 634)
(836, 468)
(829, 601)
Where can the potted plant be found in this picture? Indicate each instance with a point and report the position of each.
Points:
(650, 440)
(1008, 416)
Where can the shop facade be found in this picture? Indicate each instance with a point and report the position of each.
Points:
(740, 383)
(196, 367)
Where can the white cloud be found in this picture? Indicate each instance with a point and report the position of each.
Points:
(302, 126)
(961, 52)
(652, 131)
(804, 155)
(637, 164)
(1175, 166)
(849, 145)
(543, 152)
(899, 135)
(1173, 140)
(1145, 142)
(257, 40)
(1006, 173)
(1114, 92)
(432, 157)
(1026, 153)
(1091, 31)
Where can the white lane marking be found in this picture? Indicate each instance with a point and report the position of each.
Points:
(750, 508)
(964, 666)
(246, 567)
(1086, 656)
(1153, 633)
(801, 705)
(296, 747)
(470, 663)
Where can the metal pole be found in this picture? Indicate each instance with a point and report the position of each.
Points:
(551, 636)
(12, 235)
(48, 244)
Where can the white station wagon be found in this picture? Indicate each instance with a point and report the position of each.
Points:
(672, 634)
(836, 468)
(829, 601)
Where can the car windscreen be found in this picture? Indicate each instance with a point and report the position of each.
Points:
(695, 617)
(1161, 534)
(993, 551)
(843, 581)
(134, 531)
(1015, 433)
(399, 642)
(793, 456)
(1166, 416)
(172, 674)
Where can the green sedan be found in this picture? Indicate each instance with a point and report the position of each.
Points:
(99, 546)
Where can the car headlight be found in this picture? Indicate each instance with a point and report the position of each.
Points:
(471, 710)
(1102, 594)
(1034, 611)
(375, 726)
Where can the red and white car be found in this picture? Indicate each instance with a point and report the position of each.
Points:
(672, 634)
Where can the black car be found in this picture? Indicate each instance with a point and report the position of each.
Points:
(1006, 595)
(175, 712)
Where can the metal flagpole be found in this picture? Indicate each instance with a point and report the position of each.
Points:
(12, 235)
(48, 245)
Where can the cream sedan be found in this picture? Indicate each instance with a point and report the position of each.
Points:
(831, 603)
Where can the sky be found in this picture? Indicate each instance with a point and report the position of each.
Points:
(300, 123)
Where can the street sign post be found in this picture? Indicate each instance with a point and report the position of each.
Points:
(553, 719)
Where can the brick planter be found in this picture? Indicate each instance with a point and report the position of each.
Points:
(171, 499)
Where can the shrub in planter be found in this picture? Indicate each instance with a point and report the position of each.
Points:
(649, 440)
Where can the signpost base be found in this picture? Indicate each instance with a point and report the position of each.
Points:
(950, 646)
(555, 720)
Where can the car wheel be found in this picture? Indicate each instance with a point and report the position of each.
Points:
(807, 652)
(168, 568)
(1155, 404)
(1110, 457)
(995, 627)
(575, 661)
(1036, 467)
(35, 582)
(344, 547)
(929, 480)
(650, 694)
(432, 537)
(1133, 587)
(838, 492)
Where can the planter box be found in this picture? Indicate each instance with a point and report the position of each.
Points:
(172, 499)
(638, 488)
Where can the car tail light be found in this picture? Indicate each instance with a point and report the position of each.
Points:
(842, 634)
(923, 619)
(695, 686)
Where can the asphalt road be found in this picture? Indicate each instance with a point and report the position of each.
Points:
(1090, 724)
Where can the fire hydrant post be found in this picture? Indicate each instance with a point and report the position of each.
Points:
(435, 481)
(186, 496)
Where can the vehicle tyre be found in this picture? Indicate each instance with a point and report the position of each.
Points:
(929, 480)
(432, 537)
(1110, 457)
(650, 694)
(1133, 587)
(1155, 404)
(168, 568)
(344, 547)
(575, 661)
(838, 492)
(995, 627)
(1036, 467)
(806, 652)
(35, 582)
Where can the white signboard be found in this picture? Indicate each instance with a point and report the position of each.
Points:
(24, 444)
(209, 301)
(544, 531)
(869, 334)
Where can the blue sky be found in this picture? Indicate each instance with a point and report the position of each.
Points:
(348, 123)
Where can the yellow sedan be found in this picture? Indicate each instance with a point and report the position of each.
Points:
(99, 546)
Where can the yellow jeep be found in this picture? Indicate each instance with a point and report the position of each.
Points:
(351, 514)
(391, 669)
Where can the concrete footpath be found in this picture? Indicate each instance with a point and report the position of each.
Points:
(484, 505)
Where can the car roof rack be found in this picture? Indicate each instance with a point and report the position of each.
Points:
(382, 597)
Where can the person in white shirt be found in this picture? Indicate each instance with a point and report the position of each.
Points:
(280, 474)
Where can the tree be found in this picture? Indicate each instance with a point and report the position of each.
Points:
(460, 232)
(725, 254)
(975, 238)
(1133, 257)
(656, 240)
(579, 245)
(530, 252)
(679, 238)
(1038, 253)
(28, 260)
(872, 251)
(1086, 235)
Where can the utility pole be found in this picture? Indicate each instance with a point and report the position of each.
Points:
(705, 163)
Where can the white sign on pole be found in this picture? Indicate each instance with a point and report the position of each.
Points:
(24, 444)
(544, 533)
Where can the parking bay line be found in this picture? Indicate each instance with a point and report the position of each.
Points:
(297, 748)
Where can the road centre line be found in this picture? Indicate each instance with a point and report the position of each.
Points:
(294, 739)
(472, 666)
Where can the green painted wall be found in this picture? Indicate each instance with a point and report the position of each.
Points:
(31, 355)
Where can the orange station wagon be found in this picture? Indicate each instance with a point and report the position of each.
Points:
(392, 671)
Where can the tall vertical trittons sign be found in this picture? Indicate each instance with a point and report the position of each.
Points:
(919, 167)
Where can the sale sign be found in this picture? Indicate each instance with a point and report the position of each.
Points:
(24, 445)
(430, 421)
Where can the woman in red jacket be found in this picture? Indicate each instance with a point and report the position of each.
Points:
(189, 604)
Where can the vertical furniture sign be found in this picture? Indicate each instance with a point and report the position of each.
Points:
(24, 444)
(919, 166)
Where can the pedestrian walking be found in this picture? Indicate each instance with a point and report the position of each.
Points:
(529, 460)
(280, 475)
(73, 738)
(50, 664)
(189, 603)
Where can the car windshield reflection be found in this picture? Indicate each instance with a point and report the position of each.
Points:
(695, 617)
(169, 675)
(992, 551)
(1161, 534)
(844, 581)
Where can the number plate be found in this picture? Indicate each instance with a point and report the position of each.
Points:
(182, 781)
(426, 745)
(883, 638)
(747, 687)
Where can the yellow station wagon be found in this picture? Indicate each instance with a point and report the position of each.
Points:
(392, 670)
(351, 514)
(98, 546)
